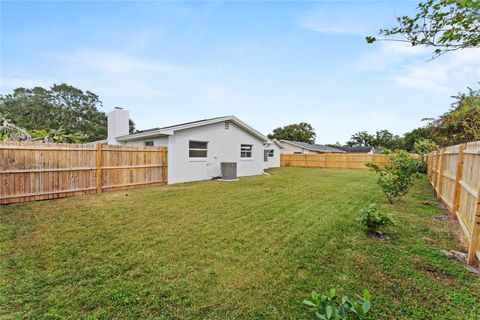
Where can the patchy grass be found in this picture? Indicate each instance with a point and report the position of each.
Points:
(246, 250)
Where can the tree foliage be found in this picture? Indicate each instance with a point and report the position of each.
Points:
(395, 178)
(461, 124)
(381, 138)
(302, 132)
(424, 146)
(445, 25)
(361, 139)
(61, 107)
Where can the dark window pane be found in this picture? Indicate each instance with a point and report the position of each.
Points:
(197, 153)
(198, 145)
(149, 143)
(246, 147)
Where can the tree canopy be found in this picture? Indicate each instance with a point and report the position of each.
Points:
(302, 132)
(446, 25)
(61, 108)
(461, 124)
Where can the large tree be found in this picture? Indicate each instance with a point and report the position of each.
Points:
(302, 132)
(361, 138)
(61, 107)
(445, 25)
(462, 123)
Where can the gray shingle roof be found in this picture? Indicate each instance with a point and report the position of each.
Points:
(314, 147)
(357, 149)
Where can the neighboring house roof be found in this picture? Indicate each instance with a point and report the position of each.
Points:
(358, 149)
(169, 130)
(275, 142)
(313, 147)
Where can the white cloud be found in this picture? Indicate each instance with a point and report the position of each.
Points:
(323, 21)
(386, 55)
(408, 66)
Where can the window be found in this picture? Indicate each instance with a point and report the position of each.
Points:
(246, 151)
(197, 149)
(271, 153)
(148, 144)
(296, 152)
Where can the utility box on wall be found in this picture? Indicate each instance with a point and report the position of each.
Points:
(229, 170)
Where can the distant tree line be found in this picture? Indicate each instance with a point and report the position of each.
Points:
(460, 124)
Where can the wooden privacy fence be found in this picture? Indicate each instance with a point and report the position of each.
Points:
(332, 160)
(454, 173)
(38, 171)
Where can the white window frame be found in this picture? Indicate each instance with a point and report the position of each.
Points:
(245, 153)
(271, 153)
(148, 145)
(198, 149)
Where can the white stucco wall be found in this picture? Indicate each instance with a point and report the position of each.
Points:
(273, 162)
(223, 146)
(157, 142)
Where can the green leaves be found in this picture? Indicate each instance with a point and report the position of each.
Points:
(446, 25)
(302, 132)
(395, 178)
(61, 107)
(373, 220)
(330, 306)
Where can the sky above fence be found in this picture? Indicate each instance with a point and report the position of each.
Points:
(269, 63)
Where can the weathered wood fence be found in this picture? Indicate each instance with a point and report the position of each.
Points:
(38, 171)
(332, 160)
(454, 173)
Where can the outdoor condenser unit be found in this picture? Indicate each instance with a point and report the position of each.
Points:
(229, 170)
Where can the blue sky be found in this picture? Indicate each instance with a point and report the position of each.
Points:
(269, 63)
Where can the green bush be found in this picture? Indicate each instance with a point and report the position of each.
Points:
(373, 220)
(395, 178)
(330, 306)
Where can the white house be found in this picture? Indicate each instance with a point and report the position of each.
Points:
(297, 147)
(196, 149)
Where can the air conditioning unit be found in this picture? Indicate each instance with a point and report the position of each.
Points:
(229, 170)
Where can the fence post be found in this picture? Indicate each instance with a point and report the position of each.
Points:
(440, 174)
(164, 166)
(458, 178)
(99, 167)
(475, 236)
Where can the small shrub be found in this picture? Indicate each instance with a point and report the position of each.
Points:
(331, 306)
(373, 220)
(395, 178)
(386, 151)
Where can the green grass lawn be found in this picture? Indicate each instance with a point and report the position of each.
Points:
(251, 249)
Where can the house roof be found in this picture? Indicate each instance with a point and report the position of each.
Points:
(169, 130)
(275, 142)
(313, 147)
(357, 149)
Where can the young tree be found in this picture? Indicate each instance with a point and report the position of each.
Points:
(446, 25)
(61, 107)
(302, 132)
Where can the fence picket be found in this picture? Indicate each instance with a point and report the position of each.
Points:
(37, 171)
(466, 195)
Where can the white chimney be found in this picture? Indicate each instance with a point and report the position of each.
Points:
(118, 124)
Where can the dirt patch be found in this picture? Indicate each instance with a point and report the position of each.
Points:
(377, 235)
